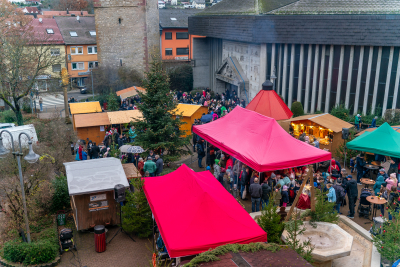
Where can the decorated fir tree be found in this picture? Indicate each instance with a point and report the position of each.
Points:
(159, 129)
(136, 213)
(270, 222)
(388, 241)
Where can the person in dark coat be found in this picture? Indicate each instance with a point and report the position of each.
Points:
(256, 194)
(120, 141)
(339, 194)
(352, 194)
(89, 149)
(266, 192)
(243, 180)
(159, 165)
(95, 151)
(360, 167)
(152, 155)
(323, 166)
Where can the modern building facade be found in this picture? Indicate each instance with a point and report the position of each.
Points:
(175, 41)
(79, 34)
(322, 52)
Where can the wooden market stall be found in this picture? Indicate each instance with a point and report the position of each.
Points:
(325, 127)
(129, 92)
(91, 189)
(83, 108)
(91, 126)
(189, 114)
(131, 171)
(123, 117)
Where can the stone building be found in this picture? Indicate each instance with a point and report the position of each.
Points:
(127, 32)
(323, 52)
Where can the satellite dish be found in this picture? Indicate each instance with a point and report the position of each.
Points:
(40, 20)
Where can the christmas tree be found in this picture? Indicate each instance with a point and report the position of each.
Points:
(159, 129)
(136, 213)
(388, 241)
(270, 222)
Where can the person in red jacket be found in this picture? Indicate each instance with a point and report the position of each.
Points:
(80, 149)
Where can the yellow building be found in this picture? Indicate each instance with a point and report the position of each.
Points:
(188, 113)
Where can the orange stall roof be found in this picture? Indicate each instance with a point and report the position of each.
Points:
(85, 107)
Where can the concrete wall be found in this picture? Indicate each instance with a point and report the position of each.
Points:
(201, 57)
(127, 32)
(248, 56)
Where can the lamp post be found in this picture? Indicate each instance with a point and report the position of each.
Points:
(32, 157)
(273, 77)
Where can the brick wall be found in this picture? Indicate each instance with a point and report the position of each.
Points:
(127, 31)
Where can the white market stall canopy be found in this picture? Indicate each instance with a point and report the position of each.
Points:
(90, 176)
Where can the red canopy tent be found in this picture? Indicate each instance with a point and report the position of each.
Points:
(259, 141)
(268, 103)
(194, 213)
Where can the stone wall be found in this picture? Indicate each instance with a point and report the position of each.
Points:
(127, 32)
(248, 56)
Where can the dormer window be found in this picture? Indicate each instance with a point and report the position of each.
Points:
(92, 33)
(73, 34)
(49, 31)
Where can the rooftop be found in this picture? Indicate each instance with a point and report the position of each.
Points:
(64, 13)
(300, 7)
(85, 107)
(176, 18)
(46, 31)
(81, 27)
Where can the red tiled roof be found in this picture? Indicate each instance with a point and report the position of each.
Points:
(40, 31)
(64, 13)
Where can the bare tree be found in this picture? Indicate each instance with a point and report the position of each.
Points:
(23, 57)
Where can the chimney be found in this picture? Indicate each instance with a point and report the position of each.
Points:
(40, 20)
(81, 13)
(267, 85)
(67, 11)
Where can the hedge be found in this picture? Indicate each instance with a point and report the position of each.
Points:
(40, 251)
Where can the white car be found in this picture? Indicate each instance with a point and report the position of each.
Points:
(6, 125)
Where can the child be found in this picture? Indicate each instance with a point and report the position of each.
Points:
(352, 164)
(277, 195)
(331, 194)
(285, 196)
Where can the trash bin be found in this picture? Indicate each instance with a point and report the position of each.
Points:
(100, 238)
(61, 219)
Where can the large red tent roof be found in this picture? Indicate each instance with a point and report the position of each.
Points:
(270, 104)
(194, 213)
(258, 141)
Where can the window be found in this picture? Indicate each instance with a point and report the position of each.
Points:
(182, 35)
(168, 51)
(78, 66)
(55, 51)
(173, 18)
(168, 36)
(73, 34)
(76, 50)
(93, 65)
(92, 33)
(182, 51)
(92, 49)
(57, 68)
(50, 31)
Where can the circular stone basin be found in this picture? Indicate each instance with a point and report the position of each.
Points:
(329, 240)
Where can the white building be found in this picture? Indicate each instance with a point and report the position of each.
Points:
(199, 4)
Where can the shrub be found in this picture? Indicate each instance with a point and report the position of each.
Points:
(113, 102)
(7, 116)
(297, 109)
(340, 112)
(60, 200)
(270, 222)
(181, 78)
(40, 251)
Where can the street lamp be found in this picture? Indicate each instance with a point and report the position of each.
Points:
(32, 157)
(273, 77)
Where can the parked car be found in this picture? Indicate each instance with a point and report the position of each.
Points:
(6, 125)
(83, 89)
(15, 131)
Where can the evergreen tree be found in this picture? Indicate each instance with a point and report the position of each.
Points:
(112, 102)
(136, 213)
(159, 129)
(388, 241)
(297, 109)
(270, 222)
(324, 211)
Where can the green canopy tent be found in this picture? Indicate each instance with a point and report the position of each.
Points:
(382, 141)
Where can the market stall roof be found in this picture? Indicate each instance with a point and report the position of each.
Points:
(187, 110)
(396, 128)
(269, 103)
(382, 141)
(90, 176)
(123, 116)
(131, 91)
(205, 214)
(85, 107)
(91, 119)
(258, 141)
(326, 120)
